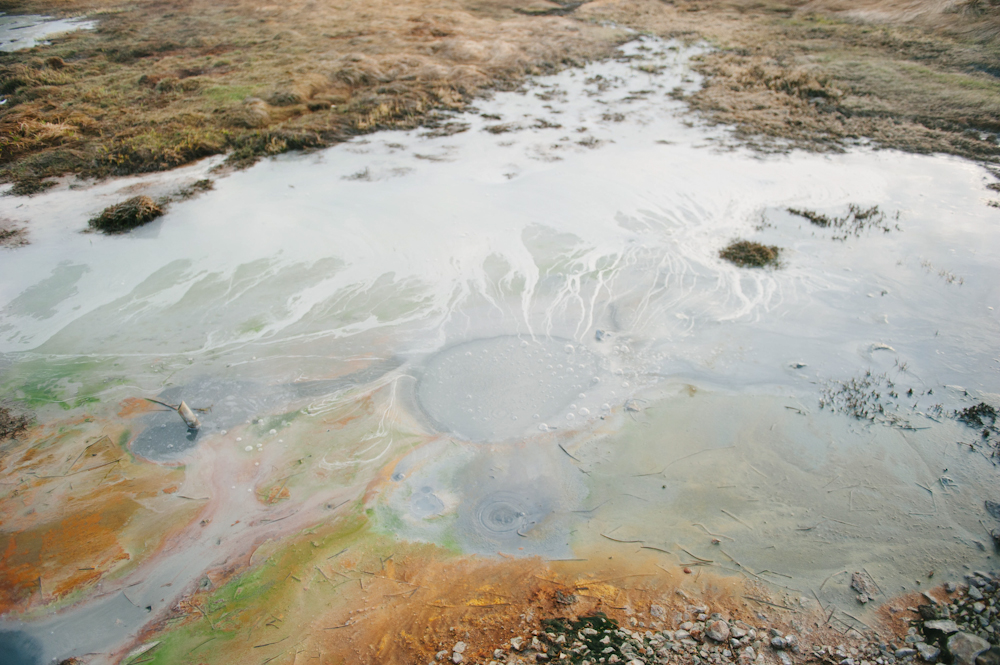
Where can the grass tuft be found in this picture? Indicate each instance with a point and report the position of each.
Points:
(749, 254)
(126, 215)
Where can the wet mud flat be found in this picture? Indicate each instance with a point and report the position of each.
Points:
(503, 356)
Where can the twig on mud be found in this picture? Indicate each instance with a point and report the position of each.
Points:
(873, 582)
(714, 535)
(856, 619)
(592, 509)
(563, 448)
(839, 521)
(736, 518)
(765, 602)
(200, 645)
(334, 556)
(708, 450)
(270, 644)
(697, 557)
(658, 549)
(828, 578)
(620, 541)
(336, 627)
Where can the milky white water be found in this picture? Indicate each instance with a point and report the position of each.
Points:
(550, 298)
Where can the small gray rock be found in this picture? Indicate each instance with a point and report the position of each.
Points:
(975, 593)
(929, 653)
(904, 653)
(946, 626)
(456, 658)
(965, 647)
(459, 647)
(517, 643)
(441, 655)
(778, 643)
(785, 658)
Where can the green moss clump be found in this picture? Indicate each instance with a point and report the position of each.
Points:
(126, 215)
(746, 253)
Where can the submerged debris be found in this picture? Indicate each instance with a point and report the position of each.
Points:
(856, 220)
(746, 253)
(867, 397)
(126, 215)
(184, 411)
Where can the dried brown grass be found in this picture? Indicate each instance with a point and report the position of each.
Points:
(163, 82)
(159, 84)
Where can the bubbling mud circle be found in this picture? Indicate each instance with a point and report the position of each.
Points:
(499, 388)
(501, 513)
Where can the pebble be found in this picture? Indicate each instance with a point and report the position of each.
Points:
(459, 647)
(517, 643)
(778, 643)
(457, 658)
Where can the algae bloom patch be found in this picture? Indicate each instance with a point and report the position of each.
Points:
(126, 215)
(746, 253)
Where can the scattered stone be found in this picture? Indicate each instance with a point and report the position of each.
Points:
(964, 648)
(864, 585)
(946, 626)
(517, 643)
(457, 658)
(441, 655)
(459, 647)
(718, 631)
(778, 643)
(905, 653)
(656, 610)
(975, 593)
(928, 653)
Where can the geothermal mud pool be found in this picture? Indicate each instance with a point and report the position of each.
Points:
(510, 334)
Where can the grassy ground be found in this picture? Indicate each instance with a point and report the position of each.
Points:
(160, 83)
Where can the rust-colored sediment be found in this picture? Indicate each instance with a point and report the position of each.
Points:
(75, 507)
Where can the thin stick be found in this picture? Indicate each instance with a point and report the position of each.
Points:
(758, 600)
(200, 645)
(650, 547)
(828, 578)
(736, 518)
(696, 557)
(269, 644)
(562, 448)
(336, 627)
(873, 580)
(617, 540)
(714, 535)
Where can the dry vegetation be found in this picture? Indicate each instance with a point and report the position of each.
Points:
(919, 75)
(161, 83)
